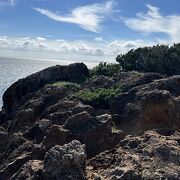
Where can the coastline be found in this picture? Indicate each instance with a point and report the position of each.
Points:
(9, 77)
(63, 112)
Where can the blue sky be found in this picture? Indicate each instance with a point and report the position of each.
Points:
(85, 30)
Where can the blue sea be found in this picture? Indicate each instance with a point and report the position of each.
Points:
(12, 69)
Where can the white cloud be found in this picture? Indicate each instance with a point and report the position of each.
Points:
(100, 39)
(4, 42)
(88, 17)
(41, 39)
(154, 22)
(77, 50)
(121, 46)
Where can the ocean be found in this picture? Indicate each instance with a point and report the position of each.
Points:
(12, 69)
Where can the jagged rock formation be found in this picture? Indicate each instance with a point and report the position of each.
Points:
(150, 156)
(66, 162)
(60, 162)
(153, 105)
(47, 131)
(13, 96)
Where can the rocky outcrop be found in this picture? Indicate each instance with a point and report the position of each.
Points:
(13, 95)
(150, 156)
(43, 125)
(30, 170)
(95, 132)
(56, 135)
(60, 162)
(154, 105)
(65, 162)
(129, 80)
(99, 82)
(14, 166)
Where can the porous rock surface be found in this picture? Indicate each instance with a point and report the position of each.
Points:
(153, 105)
(12, 97)
(46, 132)
(150, 156)
(65, 162)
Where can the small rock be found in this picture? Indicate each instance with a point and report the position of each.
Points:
(29, 170)
(56, 135)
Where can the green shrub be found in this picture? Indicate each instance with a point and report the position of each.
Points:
(106, 69)
(69, 85)
(161, 59)
(100, 97)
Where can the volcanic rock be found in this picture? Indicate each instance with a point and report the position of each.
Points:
(150, 156)
(43, 125)
(13, 95)
(65, 162)
(149, 106)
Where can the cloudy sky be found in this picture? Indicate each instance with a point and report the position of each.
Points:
(85, 30)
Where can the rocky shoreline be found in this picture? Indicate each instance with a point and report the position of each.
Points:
(62, 124)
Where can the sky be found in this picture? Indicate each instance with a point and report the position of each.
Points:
(85, 30)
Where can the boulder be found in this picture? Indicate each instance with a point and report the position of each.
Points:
(63, 108)
(14, 166)
(15, 141)
(38, 131)
(29, 170)
(65, 162)
(23, 119)
(150, 156)
(95, 132)
(149, 106)
(81, 123)
(13, 95)
(56, 135)
(82, 107)
(128, 80)
(99, 82)
(59, 117)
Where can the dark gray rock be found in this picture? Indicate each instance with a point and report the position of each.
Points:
(129, 80)
(38, 131)
(95, 132)
(99, 82)
(56, 135)
(13, 167)
(29, 170)
(13, 95)
(65, 162)
(4, 139)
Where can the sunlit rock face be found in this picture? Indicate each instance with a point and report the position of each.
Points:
(153, 105)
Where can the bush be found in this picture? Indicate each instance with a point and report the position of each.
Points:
(106, 69)
(161, 59)
(69, 85)
(99, 98)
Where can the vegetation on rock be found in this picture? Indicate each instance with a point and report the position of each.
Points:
(70, 85)
(106, 69)
(100, 97)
